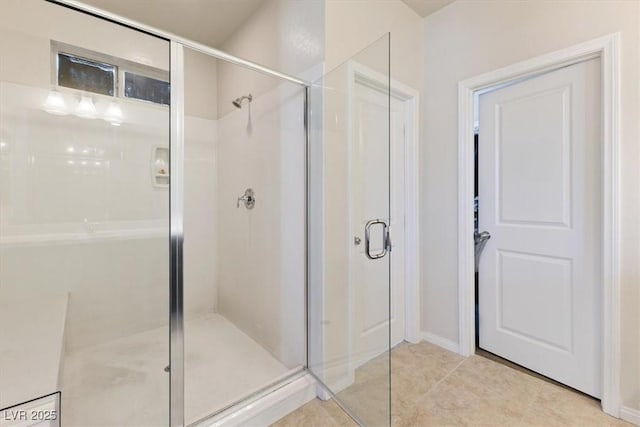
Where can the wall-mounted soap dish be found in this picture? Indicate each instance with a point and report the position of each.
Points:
(160, 166)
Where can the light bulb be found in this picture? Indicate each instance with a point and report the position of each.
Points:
(113, 114)
(85, 108)
(55, 104)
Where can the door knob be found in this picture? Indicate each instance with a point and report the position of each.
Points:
(480, 240)
(249, 199)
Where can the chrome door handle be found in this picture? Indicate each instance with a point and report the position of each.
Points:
(386, 242)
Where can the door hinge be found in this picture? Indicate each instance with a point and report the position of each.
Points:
(388, 245)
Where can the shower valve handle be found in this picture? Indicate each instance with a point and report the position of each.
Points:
(249, 199)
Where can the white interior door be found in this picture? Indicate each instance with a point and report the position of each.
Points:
(370, 278)
(540, 197)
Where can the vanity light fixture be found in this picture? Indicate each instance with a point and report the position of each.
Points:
(55, 104)
(113, 114)
(86, 109)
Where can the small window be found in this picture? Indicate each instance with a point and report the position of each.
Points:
(146, 88)
(84, 74)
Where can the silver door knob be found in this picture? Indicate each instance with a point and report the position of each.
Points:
(249, 199)
(480, 240)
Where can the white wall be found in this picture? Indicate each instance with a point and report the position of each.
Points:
(469, 38)
(38, 21)
(200, 85)
(285, 35)
(351, 26)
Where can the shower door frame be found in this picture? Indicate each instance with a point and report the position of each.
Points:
(176, 191)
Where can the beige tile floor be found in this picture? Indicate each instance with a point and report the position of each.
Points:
(434, 387)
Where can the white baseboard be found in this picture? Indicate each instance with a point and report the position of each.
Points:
(441, 342)
(630, 415)
(322, 393)
(270, 408)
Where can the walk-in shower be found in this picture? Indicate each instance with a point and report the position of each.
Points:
(161, 262)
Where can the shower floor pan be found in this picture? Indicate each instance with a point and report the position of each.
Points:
(31, 348)
(123, 382)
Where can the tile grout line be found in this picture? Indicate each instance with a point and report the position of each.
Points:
(433, 387)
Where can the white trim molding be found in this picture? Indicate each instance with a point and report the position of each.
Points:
(445, 343)
(630, 415)
(607, 49)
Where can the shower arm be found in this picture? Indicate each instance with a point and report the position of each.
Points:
(238, 101)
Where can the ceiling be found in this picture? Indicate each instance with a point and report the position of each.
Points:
(426, 7)
(209, 22)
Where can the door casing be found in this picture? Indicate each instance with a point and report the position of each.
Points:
(607, 49)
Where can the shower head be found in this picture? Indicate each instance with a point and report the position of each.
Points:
(238, 101)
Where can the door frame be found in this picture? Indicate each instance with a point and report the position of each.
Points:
(607, 48)
(361, 74)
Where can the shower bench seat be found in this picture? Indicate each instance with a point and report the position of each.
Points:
(31, 348)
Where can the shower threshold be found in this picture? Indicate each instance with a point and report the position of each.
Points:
(268, 404)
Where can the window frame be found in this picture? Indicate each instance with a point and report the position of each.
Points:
(113, 72)
(121, 66)
(122, 78)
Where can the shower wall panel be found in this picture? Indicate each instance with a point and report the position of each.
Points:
(200, 174)
(262, 250)
(200, 217)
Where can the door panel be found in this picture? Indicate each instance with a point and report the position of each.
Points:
(527, 146)
(540, 198)
(525, 283)
(349, 190)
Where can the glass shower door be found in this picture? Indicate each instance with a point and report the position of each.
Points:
(349, 244)
(84, 220)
